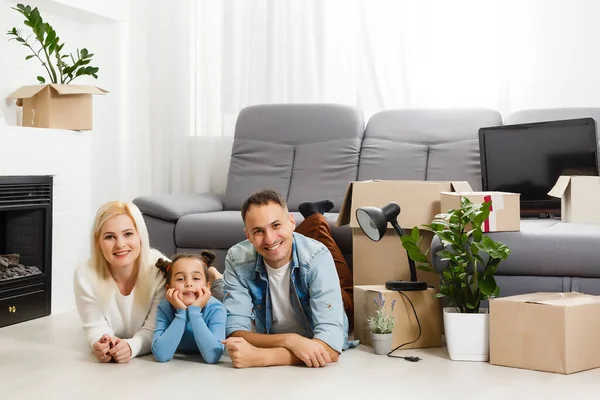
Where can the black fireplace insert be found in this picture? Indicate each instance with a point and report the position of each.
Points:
(25, 248)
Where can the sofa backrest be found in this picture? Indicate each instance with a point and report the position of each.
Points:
(304, 151)
(552, 114)
(425, 144)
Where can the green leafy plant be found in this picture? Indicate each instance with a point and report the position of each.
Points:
(382, 322)
(471, 257)
(46, 47)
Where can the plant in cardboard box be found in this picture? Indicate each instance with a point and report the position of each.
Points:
(470, 260)
(381, 326)
(54, 105)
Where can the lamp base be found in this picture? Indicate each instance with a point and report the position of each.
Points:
(405, 286)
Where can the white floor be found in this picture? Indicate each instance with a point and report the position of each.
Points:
(48, 358)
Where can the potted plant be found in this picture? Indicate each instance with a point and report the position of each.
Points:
(381, 326)
(470, 260)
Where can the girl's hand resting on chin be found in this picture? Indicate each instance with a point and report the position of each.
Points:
(172, 297)
(203, 294)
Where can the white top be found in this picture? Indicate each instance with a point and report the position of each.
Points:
(284, 319)
(103, 309)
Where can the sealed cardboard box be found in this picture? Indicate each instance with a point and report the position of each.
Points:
(554, 332)
(375, 263)
(57, 106)
(406, 330)
(580, 196)
(505, 211)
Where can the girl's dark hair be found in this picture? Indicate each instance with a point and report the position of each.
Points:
(205, 257)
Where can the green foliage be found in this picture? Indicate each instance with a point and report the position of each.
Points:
(382, 322)
(46, 48)
(472, 257)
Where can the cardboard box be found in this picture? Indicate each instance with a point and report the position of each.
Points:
(579, 196)
(375, 263)
(505, 213)
(554, 332)
(57, 106)
(406, 330)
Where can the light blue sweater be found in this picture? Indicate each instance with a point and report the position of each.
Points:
(190, 330)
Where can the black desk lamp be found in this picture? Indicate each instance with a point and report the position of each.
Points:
(373, 222)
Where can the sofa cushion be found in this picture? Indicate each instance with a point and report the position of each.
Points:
(546, 247)
(216, 230)
(304, 151)
(425, 144)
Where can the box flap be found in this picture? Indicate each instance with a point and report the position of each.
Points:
(77, 89)
(344, 215)
(560, 187)
(26, 92)
(462, 186)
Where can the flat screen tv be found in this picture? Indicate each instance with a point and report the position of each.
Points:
(529, 158)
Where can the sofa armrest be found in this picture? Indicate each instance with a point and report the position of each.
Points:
(171, 207)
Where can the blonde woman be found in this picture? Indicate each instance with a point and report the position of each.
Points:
(118, 289)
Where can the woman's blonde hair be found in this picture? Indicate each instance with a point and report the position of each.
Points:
(110, 210)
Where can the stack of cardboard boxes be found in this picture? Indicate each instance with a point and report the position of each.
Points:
(375, 263)
(557, 332)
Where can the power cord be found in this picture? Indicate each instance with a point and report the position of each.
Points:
(408, 358)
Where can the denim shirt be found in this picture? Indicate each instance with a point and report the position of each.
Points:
(315, 292)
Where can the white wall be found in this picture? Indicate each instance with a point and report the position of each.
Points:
(111, 148)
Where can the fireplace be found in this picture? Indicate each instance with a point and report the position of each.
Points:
(25, 248)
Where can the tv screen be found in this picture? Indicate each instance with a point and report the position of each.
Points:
(529, 158)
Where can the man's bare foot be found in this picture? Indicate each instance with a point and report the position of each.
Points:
(214, 274)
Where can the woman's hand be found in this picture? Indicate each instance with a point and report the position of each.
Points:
(203, 294)
(101, 349)
(120, 351)
(172, 297)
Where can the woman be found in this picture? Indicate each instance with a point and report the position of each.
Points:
(118, 289)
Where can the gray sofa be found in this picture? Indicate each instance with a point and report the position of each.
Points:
(312, 151)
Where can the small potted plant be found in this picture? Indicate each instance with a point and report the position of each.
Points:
(470, 260)
(381, 326)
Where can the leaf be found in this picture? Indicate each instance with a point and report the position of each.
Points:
(29, 56)
(487, 285)
(41, 79)
(425, 268)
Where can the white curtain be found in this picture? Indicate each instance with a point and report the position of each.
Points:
(377, 54)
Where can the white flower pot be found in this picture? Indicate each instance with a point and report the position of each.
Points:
(467, 335)
(382, 342)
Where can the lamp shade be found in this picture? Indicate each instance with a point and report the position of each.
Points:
(373, 221)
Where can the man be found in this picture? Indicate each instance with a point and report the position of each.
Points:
(288, 284)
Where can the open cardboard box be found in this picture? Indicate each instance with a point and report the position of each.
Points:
(580, 196)
(57, 106)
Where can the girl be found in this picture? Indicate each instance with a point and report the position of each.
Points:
(189, 319)
(118, 289)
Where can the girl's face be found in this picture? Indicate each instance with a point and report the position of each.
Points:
(187, 276)
(119, 242)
